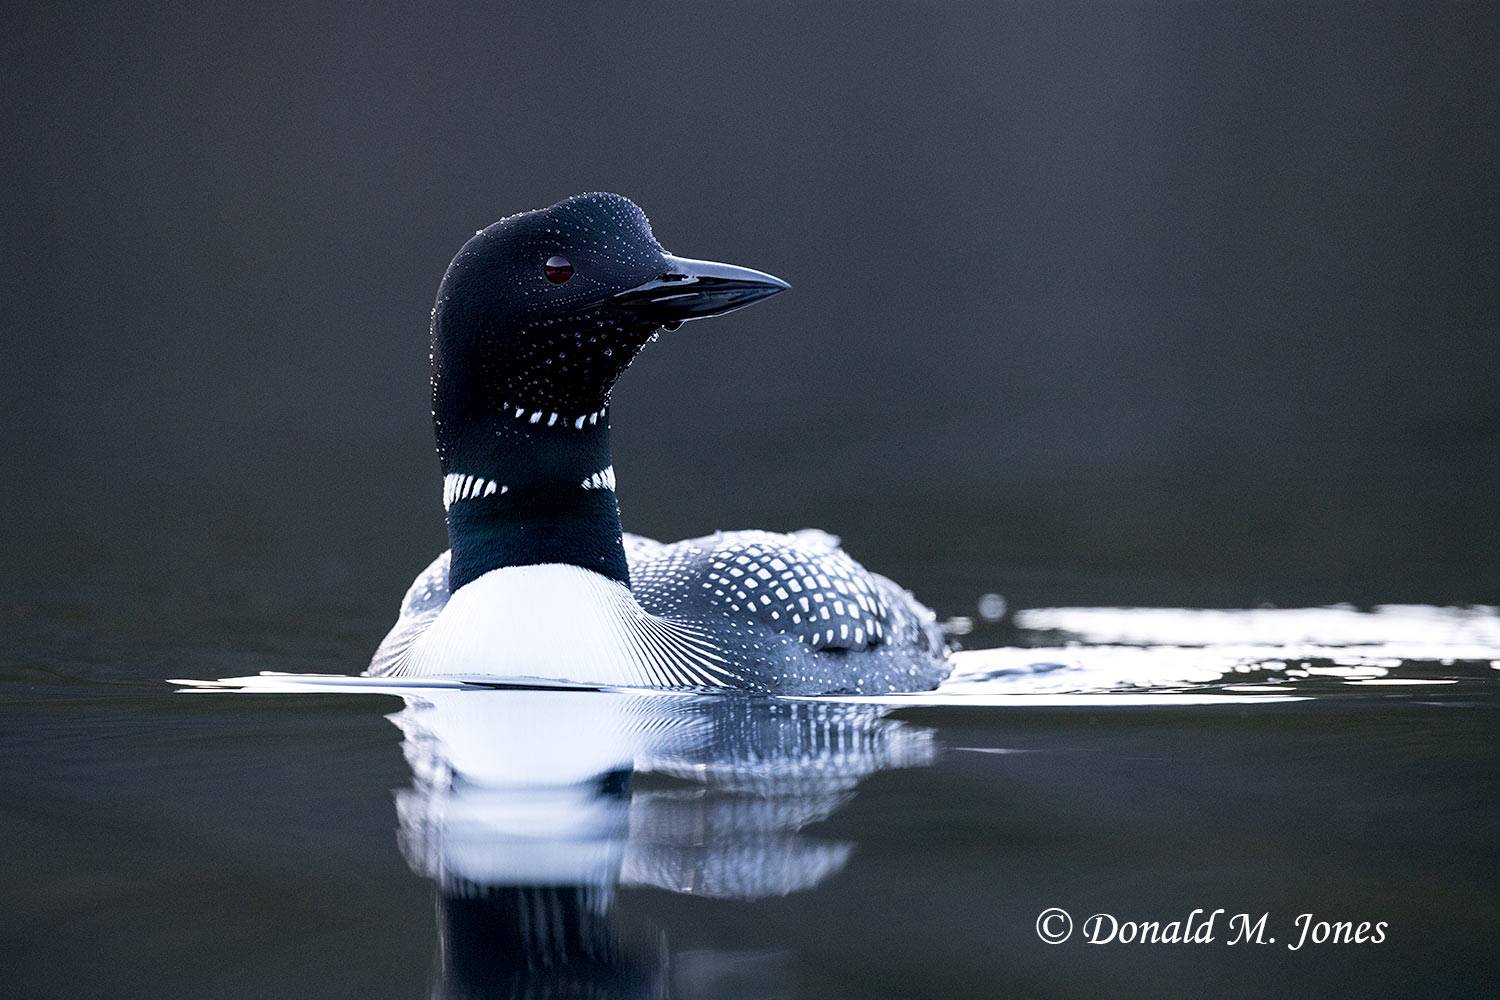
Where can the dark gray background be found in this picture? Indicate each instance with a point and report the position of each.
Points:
(1113, 303)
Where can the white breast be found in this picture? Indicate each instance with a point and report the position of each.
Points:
(566, 623)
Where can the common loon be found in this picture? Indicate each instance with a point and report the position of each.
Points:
(536, 318)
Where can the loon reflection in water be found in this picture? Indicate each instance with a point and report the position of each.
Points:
(525, 812)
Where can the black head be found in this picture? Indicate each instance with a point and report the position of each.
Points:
(540, 313)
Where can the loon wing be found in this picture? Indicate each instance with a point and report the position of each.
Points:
(801, 585)
(424, 600)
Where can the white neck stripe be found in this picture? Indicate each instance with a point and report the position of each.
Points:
(553, 419)
(604, 479)
(458, 486)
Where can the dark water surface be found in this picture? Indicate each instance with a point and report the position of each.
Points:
(510, 843)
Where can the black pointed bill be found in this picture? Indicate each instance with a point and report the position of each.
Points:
(697, 289)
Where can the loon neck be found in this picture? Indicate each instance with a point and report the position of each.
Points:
(524, 492)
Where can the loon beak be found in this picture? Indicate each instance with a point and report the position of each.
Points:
(697, 289)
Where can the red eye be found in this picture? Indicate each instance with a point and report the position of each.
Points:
(557, 269)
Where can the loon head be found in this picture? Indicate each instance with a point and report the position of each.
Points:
(535, 319)
(540, 313)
